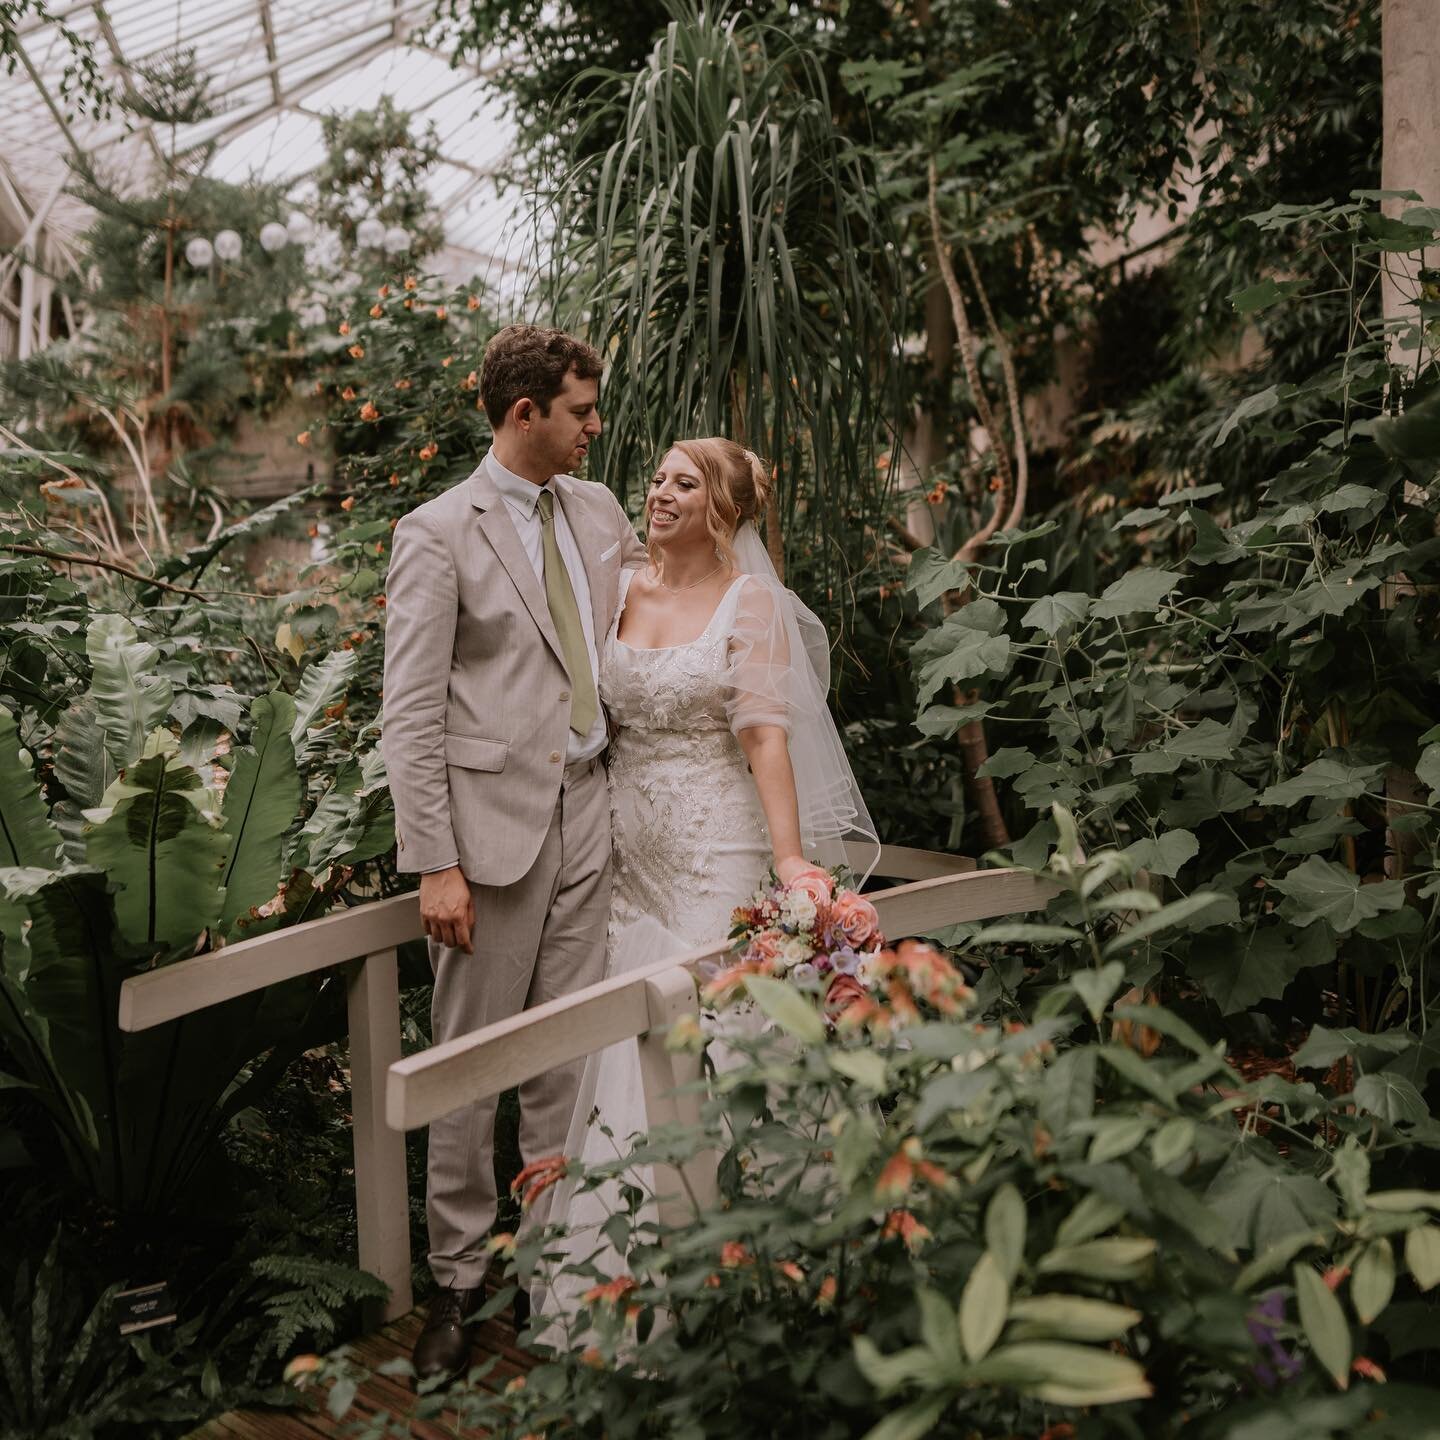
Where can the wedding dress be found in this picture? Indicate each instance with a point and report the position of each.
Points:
(689, 843)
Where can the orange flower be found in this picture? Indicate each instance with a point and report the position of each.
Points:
(383, 291)
(514, 1386)
(319, 388)
(733, 1255)
(402, 384)
(348, 503)
(430, 451)
(409, 282)
(368, 411)
(376, 311)
(712, 1281)
(379, 601)
(447, 362)
(1367, 1369)
(536, 1178)
(473, 303)
(379, 547)
(303, 438)
(409, 304)
(300, 1369)
(902, 1225)
(313, 531)
(439, 312)
(394, 481)
(611, 1293)
(357, 352)
(937, 492)
(344, 327)
(357, 637)
(825, 1297)
(502, 1244)
(592, 1357)
(728, 983)
(470, 381)
(791, 1271)
(845, 992)
(348, 393)
(1335, 1276)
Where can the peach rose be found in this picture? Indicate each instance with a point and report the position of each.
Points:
(815, 883)
(765, 947)
(853, 917)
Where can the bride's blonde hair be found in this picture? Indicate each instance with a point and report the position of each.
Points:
(737, 483)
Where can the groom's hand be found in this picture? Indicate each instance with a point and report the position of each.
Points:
(446, 910)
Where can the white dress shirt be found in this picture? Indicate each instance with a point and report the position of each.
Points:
(522, 499)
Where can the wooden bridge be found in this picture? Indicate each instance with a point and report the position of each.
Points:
(391, 1095)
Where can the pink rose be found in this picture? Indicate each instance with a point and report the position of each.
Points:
(853, 917)
(815, 883)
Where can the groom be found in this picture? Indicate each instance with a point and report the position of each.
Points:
(500, 592)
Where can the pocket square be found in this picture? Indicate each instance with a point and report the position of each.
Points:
(606, 554)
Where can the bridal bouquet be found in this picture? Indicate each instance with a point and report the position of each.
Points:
(824, 938)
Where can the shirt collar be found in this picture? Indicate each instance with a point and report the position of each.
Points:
(523, 494)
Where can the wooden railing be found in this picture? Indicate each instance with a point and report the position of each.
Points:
(391, 1095)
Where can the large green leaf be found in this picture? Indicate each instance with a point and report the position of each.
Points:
(320, 686)
(1138, 592)
(82, 763)
(787, 1008)
(161, 848)
(1236, 974)
(1319, 889)
(262, 799)
(1263, 1203)
(1324, 1323)
(28, 836)
(130, 699)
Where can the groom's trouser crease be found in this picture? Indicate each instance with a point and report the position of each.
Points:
(541, 937)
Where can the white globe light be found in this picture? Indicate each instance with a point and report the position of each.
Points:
(298, 227)
(273, 237)
(397, 239)
(370, 233)
(199, 252)
(228, 245)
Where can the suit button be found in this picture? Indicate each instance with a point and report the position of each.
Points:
(554, 757)
(564, 694)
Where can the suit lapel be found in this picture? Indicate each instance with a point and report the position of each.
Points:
(576, 505)
(496, 526)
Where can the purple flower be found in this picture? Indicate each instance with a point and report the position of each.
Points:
(1261, 1323)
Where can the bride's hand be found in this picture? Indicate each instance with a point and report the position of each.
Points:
(793, 866)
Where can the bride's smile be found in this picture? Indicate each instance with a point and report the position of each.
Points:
(676, 505)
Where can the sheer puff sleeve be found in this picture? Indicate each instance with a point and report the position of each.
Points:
(778, 673)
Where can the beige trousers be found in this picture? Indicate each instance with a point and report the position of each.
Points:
(542, 937)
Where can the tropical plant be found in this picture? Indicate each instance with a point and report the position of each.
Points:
(730, 255)
(1239, 708)
(979, 1229)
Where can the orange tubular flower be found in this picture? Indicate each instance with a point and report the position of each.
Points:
(348, 503)
(348, 393)
(410, 282)
(368, 411)
(430, 451)
(303, 438)
(791, 1271)
(402, 384)
(826, 1295)
(903, 1226)
(611, 1293)
(502, 1245)
(899, 1173)
(439, 312)
(728, 983)
(344, 327)
(536, 1178)
(733, 1255)
(357, 352)
(1367, 1369)
(376, 311)
(473, 303)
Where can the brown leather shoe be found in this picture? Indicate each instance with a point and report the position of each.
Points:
(443, 1348)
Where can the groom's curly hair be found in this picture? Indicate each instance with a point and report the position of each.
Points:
(530, 362)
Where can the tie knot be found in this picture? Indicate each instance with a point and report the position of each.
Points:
(546, 502)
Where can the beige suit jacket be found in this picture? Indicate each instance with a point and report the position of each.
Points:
(476, 697)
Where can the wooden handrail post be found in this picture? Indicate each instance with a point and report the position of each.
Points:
(669, 1079)
(382, 1205)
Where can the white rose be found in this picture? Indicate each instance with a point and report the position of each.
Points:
(800, 909)
(794, 952)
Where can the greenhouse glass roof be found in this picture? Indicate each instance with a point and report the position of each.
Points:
(277, 67)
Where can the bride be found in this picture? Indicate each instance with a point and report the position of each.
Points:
(723, 761)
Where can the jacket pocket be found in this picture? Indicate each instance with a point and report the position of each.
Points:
(471, 752)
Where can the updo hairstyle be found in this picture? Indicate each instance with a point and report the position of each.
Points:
(738, 484)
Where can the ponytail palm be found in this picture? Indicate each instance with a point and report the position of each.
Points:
(730, 258)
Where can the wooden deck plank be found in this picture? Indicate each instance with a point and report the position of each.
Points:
(380, 1394)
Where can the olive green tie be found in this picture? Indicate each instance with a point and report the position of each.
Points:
(565, 613)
